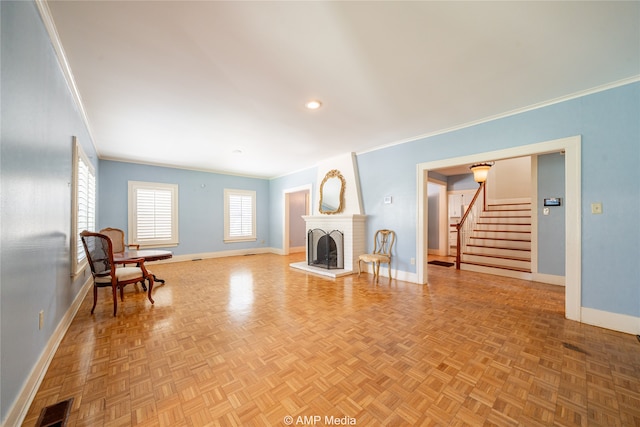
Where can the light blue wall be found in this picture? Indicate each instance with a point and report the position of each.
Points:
(461, 182)
(551, 228)
(201, 204)
(610, 129)
(39, 118)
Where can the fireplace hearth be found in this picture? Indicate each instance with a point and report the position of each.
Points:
(325, 249)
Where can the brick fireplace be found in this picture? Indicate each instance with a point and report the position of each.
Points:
(353, 229)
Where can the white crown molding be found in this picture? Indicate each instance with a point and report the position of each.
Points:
(47, 20)
(591, 91)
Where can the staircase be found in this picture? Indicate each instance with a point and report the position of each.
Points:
(500, 243)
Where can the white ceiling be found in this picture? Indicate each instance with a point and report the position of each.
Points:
(187, 84)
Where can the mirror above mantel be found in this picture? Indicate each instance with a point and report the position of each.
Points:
(332, 193)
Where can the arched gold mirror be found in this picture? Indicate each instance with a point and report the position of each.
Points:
(332, 193)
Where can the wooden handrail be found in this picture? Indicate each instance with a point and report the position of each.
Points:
(461, 223)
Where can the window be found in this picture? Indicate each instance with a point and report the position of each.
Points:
(239, 215)
(84, 205)
(153, 214)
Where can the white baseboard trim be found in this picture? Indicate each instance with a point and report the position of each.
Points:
(405, 276)
(548, 278)
(614, 321)
(297, 249)
(20, 407)
(220, 254)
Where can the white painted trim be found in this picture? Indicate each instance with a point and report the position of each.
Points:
(614, 321)
(534, 215)
(20, 408)
(422, 216)
(549, 279)
(573, 227)
(49, 24)
(404, 276)
(573, 236)
(221, 254)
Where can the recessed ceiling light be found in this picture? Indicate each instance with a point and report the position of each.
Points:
(313, 104)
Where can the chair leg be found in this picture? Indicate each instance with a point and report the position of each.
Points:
(377, 270)
(359, 267)
(389, 267)
(115, 299)
(150, 279)
(95, 297)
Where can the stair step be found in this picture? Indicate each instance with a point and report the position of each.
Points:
(501, 261)
(502, 234)
(505, 243)
(487, 226)
(523, 220)
(504, 220)
(482, 264)
(506, 214)
(508, 208)
(500, 251)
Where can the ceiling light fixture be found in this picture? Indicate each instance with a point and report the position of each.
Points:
(480, 171)
(313, 104)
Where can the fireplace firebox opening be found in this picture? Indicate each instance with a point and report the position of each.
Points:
(325, 249)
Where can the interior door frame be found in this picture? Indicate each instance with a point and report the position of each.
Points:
(573, 220)
(286, 221)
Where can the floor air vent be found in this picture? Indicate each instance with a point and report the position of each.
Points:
(55, 415)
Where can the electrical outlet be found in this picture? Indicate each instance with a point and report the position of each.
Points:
(413, 261)
(41, 319)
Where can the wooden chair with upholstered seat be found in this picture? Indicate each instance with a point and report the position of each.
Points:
(117, 239)
(383, 244)
(99, 250)
(119, 246)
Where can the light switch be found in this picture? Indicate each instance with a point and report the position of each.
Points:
(545, 211)
(596, 208)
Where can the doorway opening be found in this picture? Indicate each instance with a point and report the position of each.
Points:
(297, 203)
(571, 147)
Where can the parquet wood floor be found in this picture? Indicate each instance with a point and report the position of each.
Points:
(249, 341)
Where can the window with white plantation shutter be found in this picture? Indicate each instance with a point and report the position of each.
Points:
(153, 214)
(239, 215)
(84, 205)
